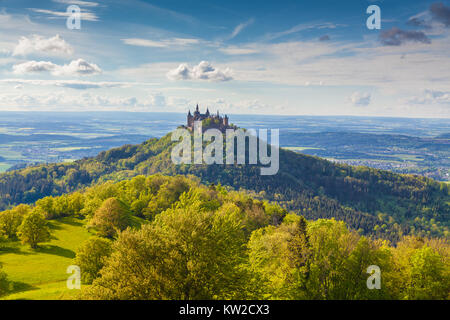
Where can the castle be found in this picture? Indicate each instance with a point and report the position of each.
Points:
(208, 120)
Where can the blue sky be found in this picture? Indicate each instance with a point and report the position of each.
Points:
(262, 57)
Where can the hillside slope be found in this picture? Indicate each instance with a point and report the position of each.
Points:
(369, 200)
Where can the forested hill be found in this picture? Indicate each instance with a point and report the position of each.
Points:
(372, 201)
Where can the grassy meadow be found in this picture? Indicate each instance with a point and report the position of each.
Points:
(41, 273)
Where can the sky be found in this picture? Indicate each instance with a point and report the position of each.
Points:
(289, 57)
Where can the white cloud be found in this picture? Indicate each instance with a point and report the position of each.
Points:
(203, 71)
(160, 43)
(5, 51)
(239, 28)
(430, 97)
(84, 101)
(302, 27)
(34, 66)
(77, 2)
(74, 84)
(360, 99)
(84, 14)
(157, 99)
(78, 67)
(234, 51)
(37, 44)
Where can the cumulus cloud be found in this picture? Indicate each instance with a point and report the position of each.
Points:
(360, 99)
(39, 45)
(157, 99)
(203, 71)
(78, 67)
(34, 66)
(430, 97)
(396, 37)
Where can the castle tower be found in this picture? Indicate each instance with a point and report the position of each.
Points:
(225, 120)
(190, 121)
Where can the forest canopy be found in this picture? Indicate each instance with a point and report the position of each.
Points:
(162, 237)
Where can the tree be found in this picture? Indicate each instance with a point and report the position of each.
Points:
(429, 277)
(4, 283)
(34, 229)
(113, 216)
(10, 220)
(332, 244)
(423, 266)
(3, 237)
(279, 259)
(185, 253)
(91, 257)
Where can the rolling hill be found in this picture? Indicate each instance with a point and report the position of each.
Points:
(374, 202)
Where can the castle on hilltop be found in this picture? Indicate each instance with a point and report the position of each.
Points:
(208, 120)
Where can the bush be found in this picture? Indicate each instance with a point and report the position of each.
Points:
(91, 258)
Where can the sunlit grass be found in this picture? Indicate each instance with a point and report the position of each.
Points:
(41, 273)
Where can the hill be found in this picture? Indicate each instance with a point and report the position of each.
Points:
(179, 239)
(374, 202)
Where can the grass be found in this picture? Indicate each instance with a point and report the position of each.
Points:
(41, 273)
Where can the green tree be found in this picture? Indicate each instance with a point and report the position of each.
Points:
(424, 268)
(332, 244)
(91, 257)
(113, 216)
(184, 253)
(4, 283)
(279, 259)
(34, 229)
(10, 220)
(430, 278)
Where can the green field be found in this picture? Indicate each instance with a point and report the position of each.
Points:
(41, 273)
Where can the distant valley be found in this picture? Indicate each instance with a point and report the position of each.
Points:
(416, 146)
